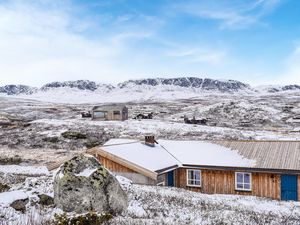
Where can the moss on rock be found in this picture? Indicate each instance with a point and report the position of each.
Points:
(90, 218)
(45, 200)
(10, 160)
(4, 187)
(73, 135)
(82, 184)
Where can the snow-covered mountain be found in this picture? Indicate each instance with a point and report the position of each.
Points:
(199, 84)
(78, 84)
(278, 88)
(227, 86)
(17, 89)
(82, 91)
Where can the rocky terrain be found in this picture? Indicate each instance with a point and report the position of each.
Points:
(58, 130)
(44, 127)
(30, 201)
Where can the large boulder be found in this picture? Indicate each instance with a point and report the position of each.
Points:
(82, 185)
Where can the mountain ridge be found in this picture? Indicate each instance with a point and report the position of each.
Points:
(194, 83)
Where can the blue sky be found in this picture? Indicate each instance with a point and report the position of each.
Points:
(257, 41)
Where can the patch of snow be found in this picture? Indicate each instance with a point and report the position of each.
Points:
(7, 198)
(24, 170)
(135, 208)
(86, 172)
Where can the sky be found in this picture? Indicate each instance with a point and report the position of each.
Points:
(257, 41)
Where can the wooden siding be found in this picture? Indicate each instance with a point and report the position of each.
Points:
(99, 153)
(126, 172)
(223, 182)
(113, 166)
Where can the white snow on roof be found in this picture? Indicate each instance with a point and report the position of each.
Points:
(151, 158)
(204, 153)
(170, 153)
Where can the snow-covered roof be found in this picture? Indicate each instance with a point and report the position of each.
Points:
(170, 153)
(205, 153)
(150, 158)
(275, 155)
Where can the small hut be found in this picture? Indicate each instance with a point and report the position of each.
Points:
(114, 112)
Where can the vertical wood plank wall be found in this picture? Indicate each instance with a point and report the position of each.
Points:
(223, 182)
(112, 166)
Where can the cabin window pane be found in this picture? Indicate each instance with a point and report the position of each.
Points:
(239, 186)
(117, 113)
(100, 114)
(239, 178)
(161, 180)
(194, 177)
(247, 178)
(243, 181)
(247, 186)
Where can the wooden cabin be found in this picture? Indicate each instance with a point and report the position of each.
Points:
(114, 112)
(260, 168)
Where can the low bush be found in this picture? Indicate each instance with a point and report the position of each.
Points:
(73, 135)
(4, 187)
(86, 219)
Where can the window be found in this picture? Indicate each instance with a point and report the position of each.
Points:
(243, 181)
(160, 180)
(194, 178)
(117, 113)
(100, 114)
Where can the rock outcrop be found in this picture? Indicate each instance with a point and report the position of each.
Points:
(82, 185)
(20, 205)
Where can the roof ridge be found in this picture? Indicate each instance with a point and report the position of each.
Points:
(127, 143)
(180, 163)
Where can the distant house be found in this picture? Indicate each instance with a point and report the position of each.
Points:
(141, 116)
(295, 119)
(114, 112)
(195, 121)
(261, 168)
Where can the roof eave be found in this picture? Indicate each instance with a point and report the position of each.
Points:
(253, 169)
(148, 173)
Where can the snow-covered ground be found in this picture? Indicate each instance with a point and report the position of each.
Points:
(151, 205)
(163, 205)
(24, 170)
(135, 93)
(138, 94)
(171, 130)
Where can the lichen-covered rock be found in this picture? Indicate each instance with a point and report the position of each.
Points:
(20, 205)
(45, 200)
(82, 185)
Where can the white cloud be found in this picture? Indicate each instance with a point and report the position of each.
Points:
(231, 14)
(291, 75)
(198, 55)
(37, 46)
(42, 41)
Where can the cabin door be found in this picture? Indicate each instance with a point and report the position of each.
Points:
(170, 176)
(289, 187)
